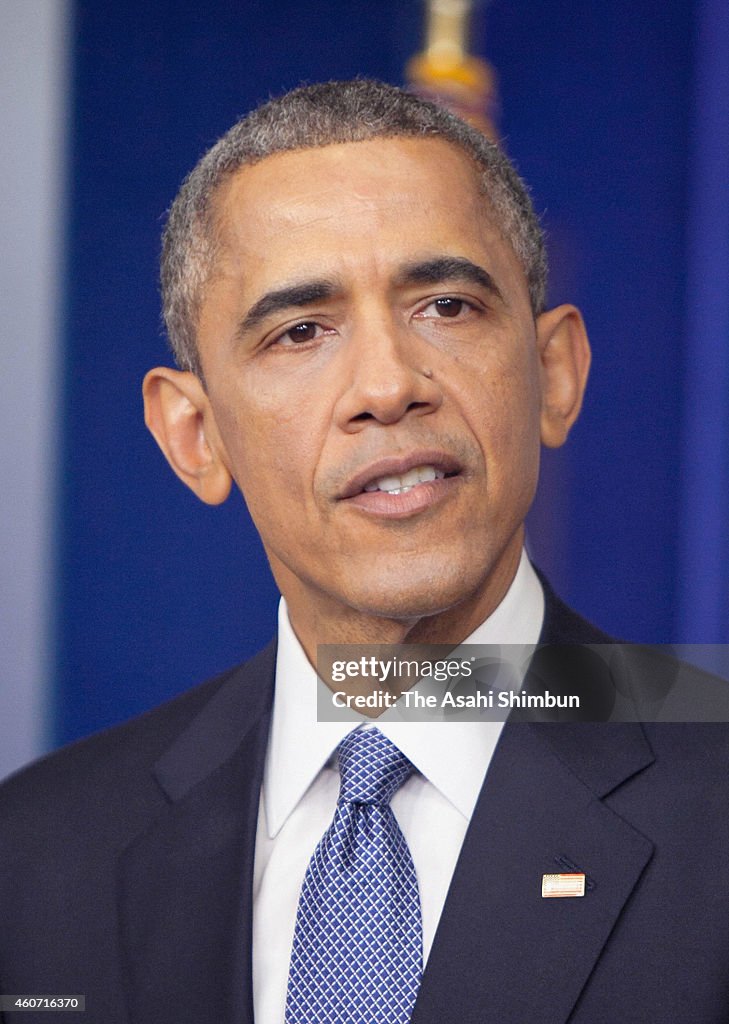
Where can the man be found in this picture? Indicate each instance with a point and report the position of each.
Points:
(353, 285)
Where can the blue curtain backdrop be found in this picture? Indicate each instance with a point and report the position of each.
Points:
(615, 113)
(703, 602)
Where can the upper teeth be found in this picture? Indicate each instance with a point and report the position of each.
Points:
(400, 484)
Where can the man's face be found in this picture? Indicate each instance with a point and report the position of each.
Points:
(373, 371)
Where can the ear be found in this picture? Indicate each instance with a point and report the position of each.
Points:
(564, 354)
(178, 413)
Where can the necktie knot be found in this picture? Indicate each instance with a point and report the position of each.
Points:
(371, 767)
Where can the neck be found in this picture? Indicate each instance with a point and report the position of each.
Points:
(328, 621)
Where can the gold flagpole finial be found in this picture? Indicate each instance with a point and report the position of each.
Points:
(447, 73)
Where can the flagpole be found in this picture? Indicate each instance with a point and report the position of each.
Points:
(445, 72)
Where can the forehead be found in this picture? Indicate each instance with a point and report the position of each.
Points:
(380, 201)
(377, 164)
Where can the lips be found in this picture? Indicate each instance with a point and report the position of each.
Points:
(398, 475)
(404, 483)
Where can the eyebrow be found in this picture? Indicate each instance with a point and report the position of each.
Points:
(288, 297)
(441, 269)
(437, 270)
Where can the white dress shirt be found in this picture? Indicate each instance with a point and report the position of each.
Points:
(301, 786)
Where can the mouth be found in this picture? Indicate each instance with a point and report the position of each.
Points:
(398, 487)
(406, 481)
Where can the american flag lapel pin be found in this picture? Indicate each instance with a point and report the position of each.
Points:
(554, 886)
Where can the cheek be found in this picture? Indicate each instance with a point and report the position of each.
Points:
(503, 407)
(272, 446)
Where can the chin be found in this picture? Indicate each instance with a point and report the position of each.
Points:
(438, 590)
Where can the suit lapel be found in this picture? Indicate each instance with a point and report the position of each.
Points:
(185, 885)
(502, 952)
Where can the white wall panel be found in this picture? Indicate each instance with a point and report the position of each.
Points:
(33, 119)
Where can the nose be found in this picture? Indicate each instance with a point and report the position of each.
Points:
(388, 375)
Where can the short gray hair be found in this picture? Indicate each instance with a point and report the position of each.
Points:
(322, 115)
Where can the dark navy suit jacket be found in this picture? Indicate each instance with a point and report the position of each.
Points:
(126, 865)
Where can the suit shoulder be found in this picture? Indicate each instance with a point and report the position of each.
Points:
(672, 690)
(117, 760)
(563, 625)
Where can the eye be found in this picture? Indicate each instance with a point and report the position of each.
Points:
(299, 334)
(446, 307)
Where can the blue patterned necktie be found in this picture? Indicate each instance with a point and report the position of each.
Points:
(358, 945)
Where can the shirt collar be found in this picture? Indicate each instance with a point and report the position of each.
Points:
(453, 756)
